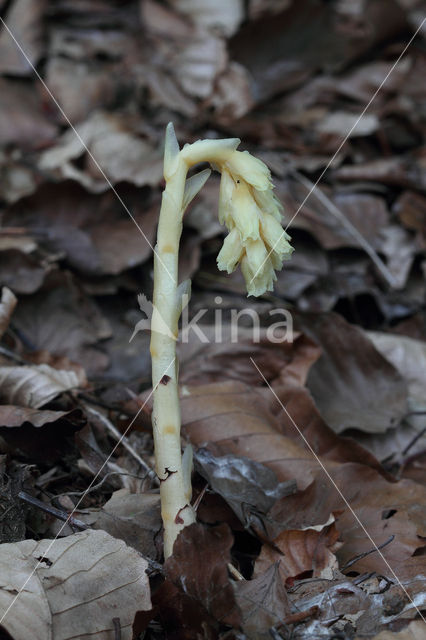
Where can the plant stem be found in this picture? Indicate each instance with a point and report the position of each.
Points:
(175, 490)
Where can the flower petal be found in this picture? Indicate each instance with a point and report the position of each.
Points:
(258, 283)
(227, 186)
(231, 252)
(268, 203)
(275, 236)
(245, 213)
(250, 169)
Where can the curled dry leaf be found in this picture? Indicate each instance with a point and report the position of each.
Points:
(34, 386)
(39, 435)
(13, 416)
(122, 155)
(247, 486)
(385, 511)
(403, 444)
(7, 305)
(74, 587)
(301, 552)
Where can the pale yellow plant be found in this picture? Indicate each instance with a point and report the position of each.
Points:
(256, 241)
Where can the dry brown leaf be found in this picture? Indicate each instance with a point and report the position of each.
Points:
(75, 587)
(352, 384)
(411, 210)
(39, 435)
(281, 362)
(301, 552)
(21, 272)
(24, 21)
(232, 418)
(263, 602)
(406, 442)
(118, 150)
(408, 356)
(7, 305)
(232, 97)
(388, 512)
(134, 518)
(22, 121)
(13, 416)
(62, 320)
(399, 171)
(34, 386)
(249, 487)
(199, 569)
(87, 227)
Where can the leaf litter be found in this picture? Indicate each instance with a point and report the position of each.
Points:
(310, 493)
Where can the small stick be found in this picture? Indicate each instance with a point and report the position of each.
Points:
(366, 553)
(53, 511)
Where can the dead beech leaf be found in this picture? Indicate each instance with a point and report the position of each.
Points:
(39, 435)
(21, 272)
(302, 551)
(232, 97)
(408, 356)
(64, 321)
(7, 305)
(122, 154)
(352, 384)
(85, 226)
(134, 518)
(248, 487)
(24, 19)
(199, 569)
(285, 362)
(233, 418)
(34, 386)
(22, 120)
(263, 602)
(391, 512)
(411, 210)
(85, 581)
(13, 416)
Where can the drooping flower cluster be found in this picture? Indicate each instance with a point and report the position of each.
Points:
(252, 214)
